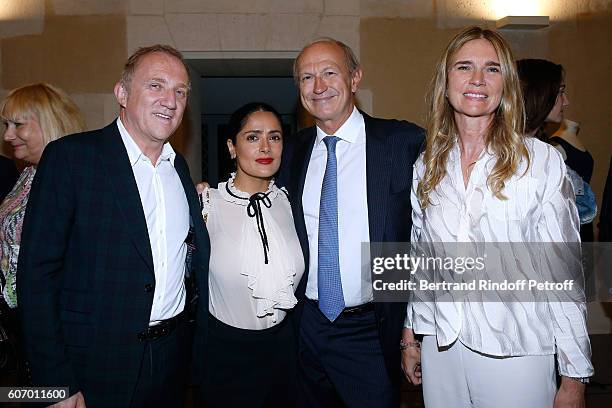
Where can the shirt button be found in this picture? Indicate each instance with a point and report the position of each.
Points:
(148, 288)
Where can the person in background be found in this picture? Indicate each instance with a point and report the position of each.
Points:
(255, 265)
(543, 84)
(8, 176)
(545, 98)
(33, 116)
(481, 180)
(112, 239)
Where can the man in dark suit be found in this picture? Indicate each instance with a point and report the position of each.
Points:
(111, 241)
(349, 179)
(8, 176)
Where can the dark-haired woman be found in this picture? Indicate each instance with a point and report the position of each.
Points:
(255, 265)
(543, 84)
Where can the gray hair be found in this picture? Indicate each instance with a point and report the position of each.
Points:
(352, 63)
(132, 62)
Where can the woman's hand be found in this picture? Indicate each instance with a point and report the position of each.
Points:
(201, 186)
(570, 394)
(411, 358)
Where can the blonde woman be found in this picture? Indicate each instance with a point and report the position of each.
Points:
(480, 180)
(33, 116)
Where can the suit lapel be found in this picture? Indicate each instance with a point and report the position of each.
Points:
(378, 175)
(301, 153)
(202, 240)
(115, 159)
(192, 198)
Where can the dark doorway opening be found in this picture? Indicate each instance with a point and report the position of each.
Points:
(227, 84)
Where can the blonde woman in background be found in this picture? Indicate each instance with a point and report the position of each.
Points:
(33, 116)
(481, 180)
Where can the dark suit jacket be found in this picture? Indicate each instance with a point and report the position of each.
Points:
(392, 147)
(8, 176)
(85, 270)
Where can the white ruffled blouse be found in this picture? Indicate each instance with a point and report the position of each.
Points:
(245, 291)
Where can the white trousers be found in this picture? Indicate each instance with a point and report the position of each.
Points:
(458, 377)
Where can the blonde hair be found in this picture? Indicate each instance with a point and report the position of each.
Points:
(505, 135)
(51, 107)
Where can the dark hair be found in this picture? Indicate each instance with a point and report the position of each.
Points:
(240, 117)
(541, 81)
(132, 62)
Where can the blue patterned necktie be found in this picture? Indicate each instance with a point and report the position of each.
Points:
(331, 298)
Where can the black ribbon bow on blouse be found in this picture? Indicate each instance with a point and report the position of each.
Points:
(254, 211)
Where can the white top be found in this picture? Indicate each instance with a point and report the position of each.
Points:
(540, 208)
(353, 227)
(244, 291)
(167, 215)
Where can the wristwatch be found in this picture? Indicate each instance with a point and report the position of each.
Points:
(584, 380)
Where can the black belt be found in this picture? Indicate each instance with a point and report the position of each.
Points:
(350, 311)
(163, 328)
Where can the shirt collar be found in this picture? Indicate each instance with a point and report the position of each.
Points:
(349, 131)
(134, 152)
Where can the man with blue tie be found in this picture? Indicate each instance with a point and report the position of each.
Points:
(349, 179)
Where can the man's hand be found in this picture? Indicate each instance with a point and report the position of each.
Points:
(570, 394)
(76, 401)
(201, 186)
(411, 359)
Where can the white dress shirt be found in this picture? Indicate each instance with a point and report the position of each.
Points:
(353, 227)
(540, 208)
(167, 215)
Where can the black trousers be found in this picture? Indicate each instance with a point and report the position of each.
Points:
(162, 380)
(249, 368)
(341, 363)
